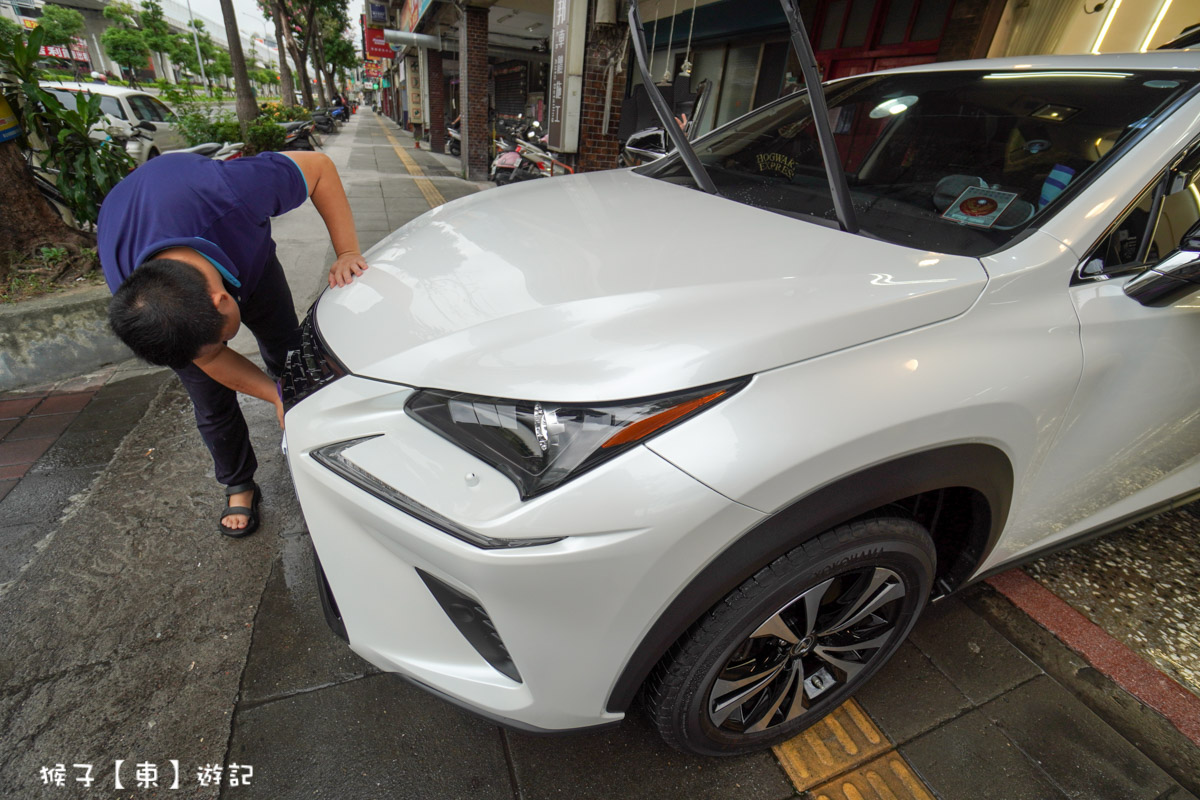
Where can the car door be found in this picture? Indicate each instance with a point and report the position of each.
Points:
(1131, 439)
(145, 110)
(173, 139)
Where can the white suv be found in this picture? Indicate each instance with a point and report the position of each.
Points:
(593, 437)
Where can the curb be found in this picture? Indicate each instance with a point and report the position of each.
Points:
(1111, 658)
(60, 336)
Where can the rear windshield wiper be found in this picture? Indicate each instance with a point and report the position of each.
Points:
(820, 112)
(690, 159)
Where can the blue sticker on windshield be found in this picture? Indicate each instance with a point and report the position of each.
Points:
(978, 205)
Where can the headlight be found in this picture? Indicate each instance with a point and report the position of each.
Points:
(539, 445)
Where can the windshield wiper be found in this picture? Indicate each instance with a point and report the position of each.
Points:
(690, 159)
(820, 111)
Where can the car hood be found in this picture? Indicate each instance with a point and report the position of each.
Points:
(612, 285)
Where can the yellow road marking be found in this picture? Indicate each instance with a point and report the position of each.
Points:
(430, 192)
(846, 757)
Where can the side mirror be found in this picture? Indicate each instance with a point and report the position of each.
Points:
(147, 126)
(1176, 276)
(644, 155)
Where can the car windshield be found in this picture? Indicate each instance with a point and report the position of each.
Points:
(109, 105)
(955, 162)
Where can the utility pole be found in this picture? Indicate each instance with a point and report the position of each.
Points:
(196, 41)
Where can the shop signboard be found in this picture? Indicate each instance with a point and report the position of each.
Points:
(410, 17)
(9, 129)
(377, 46)
(76, 50)
(567, 32)
(378, 13)
(412, 72)
(372, 69)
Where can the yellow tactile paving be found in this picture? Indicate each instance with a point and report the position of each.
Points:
(841, 741)
(846, 757)
(888, 777)
(428, 190)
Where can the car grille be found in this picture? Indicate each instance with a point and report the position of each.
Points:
(309, 368)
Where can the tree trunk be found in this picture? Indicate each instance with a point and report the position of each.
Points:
(247, 109)
(286, 87)
(319, 65)
(37, 225)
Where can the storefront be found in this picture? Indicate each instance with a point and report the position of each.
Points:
(742, 48)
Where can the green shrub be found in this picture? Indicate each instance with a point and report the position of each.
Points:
(263, 135)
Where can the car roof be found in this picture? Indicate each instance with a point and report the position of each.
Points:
(1182, 60)
(94, 88)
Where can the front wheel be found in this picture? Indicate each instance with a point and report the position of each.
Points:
(794, 641)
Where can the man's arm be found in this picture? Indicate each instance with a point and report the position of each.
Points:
(328, 195)
(231, 369)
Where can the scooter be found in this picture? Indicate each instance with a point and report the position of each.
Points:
(506, 160)
(537, 162)
(300, 136)
(454, 142)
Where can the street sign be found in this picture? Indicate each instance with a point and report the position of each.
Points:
(569, 25)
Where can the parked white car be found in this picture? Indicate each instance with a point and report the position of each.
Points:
(126, 108)
(602, 435)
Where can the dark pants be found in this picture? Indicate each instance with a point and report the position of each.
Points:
(271, 316)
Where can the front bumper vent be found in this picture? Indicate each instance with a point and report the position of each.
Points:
(309, 368)
(474, 624)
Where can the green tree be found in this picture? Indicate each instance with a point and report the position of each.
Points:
(60, 24)
(127, 47)
(121, 14)
(156, 31)
(10, 32)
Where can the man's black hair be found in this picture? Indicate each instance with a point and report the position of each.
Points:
(164, 313)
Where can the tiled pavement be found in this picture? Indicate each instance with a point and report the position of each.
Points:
(982, 702)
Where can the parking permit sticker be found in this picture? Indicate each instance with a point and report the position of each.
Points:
(978, 205)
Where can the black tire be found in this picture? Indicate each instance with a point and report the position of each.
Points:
(780, 644)
(152, 154)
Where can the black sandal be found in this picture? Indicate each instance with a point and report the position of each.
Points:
(251, 512)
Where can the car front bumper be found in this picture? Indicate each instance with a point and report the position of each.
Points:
(417, 600)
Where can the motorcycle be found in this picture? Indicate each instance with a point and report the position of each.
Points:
(454, 140)
(536, 160)
(300, 135)
(323, 122)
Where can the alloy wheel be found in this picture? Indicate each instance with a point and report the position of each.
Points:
(816, 643)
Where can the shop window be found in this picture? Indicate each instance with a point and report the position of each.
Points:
(931, 20)
(770, 73)
(741, 70)
(831, 29)
(895, 24)
(858, 23)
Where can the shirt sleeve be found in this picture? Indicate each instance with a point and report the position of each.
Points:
(268, 184)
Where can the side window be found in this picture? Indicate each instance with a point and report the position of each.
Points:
(1153, 227)
(143, 109)
(111, 106)
(164, 113)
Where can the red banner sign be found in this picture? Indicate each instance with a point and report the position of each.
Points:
(377, 47)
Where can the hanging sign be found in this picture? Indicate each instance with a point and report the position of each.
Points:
(569, 26)
(9, 129)
(377, 46)
(378, 13)
(412, 74)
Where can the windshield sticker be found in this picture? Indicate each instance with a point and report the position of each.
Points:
(777, 163)
(980, 206)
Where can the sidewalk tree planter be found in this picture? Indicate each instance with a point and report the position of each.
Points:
(36, 225)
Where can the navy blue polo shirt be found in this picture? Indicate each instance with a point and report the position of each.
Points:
(221, 209)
